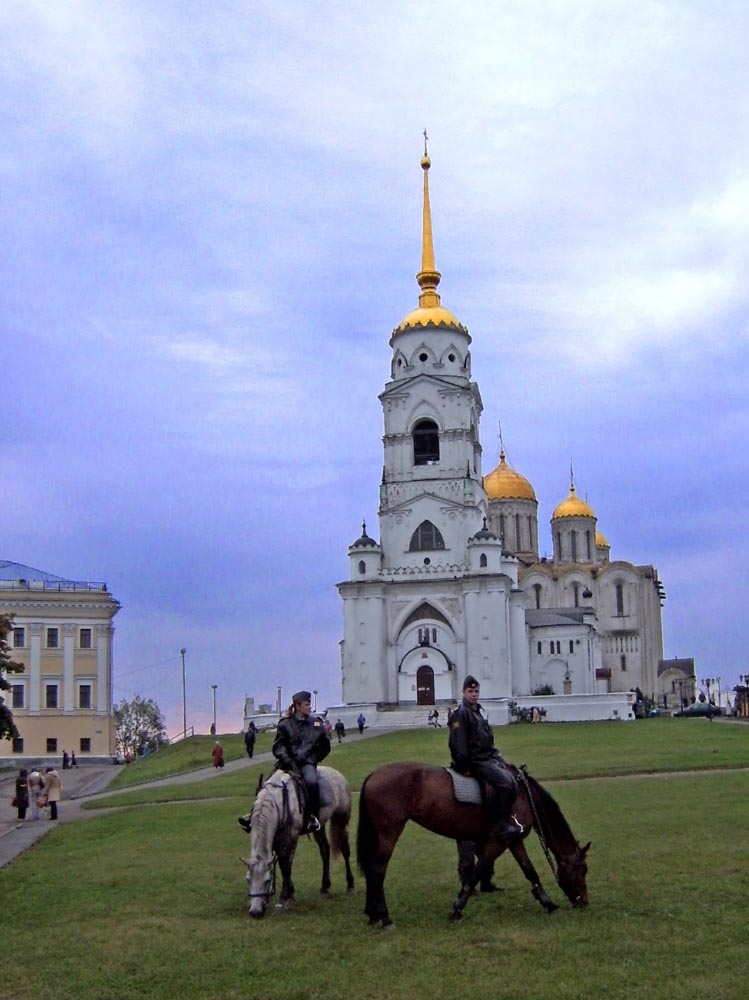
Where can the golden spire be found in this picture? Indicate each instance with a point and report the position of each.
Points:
(428, 277)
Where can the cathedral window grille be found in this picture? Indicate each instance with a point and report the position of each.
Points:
(426, 440)
(426, 538)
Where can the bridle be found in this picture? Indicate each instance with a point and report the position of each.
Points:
(271, 891)
(283, 812)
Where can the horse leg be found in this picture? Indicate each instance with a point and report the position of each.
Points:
(285, 861)
(345, 849)
(376, 906)
(526, 866)
(324, 847)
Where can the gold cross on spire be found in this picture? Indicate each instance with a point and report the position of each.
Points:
(426, 139)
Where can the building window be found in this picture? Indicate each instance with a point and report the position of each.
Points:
(587, 546)
(18, 744)
(426, 440)
(576, 592)
(85, 744)
(538, 648)
(18, 695)
(19, 637)
(50, 696)
(362, 566)
(425, 538)
(537, 588)
(623, 662)
(483, 561)
(573, 546)
(51, 744)
(53, 638)
(619, 599)
(85, 638)
(572, 646)
(551, 647)
(84, 696)
(518, 545)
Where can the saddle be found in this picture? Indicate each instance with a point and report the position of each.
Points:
(471, 790)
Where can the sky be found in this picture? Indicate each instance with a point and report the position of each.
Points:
(210, 222)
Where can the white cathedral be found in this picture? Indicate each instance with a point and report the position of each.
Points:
(456, 586)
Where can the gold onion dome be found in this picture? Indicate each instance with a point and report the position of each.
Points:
(601, 541)
(573, 506)
(430, 311)
(503, 483)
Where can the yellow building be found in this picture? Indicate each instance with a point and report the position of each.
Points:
(62, 634)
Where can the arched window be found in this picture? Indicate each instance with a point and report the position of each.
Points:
(537, 588)
(362, 566)
(573, 546)
(576, 592)
(426, 439)
(619, 599)
(482, 561)
(426, 538)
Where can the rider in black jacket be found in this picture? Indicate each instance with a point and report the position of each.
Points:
(301, 744)
(473, 752)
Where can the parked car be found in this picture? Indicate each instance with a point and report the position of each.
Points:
(700, 709)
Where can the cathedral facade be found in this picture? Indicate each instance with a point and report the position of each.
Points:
(455, 584)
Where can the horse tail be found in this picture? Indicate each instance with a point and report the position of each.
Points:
(366, 835)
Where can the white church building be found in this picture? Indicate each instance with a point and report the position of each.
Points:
(455, 584)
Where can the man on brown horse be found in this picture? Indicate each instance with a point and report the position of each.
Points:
(473, 752)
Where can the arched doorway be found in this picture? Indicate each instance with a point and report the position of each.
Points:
(425, 685)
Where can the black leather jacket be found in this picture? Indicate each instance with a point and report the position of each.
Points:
(300, 741)
(471, 739)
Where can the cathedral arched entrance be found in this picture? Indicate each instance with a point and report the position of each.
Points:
(425, 685)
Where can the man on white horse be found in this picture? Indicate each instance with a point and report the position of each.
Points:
(301, 744)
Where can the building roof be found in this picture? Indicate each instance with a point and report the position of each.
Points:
(538, 617)
(17, 571)
(504, 483)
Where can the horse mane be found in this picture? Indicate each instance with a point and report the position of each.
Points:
(550, 815)
(265, 811)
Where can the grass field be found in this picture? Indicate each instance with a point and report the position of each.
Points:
(149, 900)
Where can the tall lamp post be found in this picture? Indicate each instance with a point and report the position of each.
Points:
(184, 695)
(314, 707)
(213, 688)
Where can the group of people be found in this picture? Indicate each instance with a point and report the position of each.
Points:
(36, 792)
(303, 741)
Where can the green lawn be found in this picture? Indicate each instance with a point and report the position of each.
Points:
(149, 901)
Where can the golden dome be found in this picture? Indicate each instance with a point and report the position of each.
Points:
(601, 541)
(506, 484)
(572, 506)
(429, 316)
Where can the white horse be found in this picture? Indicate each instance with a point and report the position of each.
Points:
(277, 821)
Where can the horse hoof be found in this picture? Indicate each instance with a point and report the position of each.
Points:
(350, 891)
(455, 916)
(389, 926)
(324, 891)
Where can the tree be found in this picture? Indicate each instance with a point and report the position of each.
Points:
(139, 723)
(8, 730)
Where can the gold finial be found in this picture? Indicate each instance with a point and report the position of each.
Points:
(502, 455)
(572, 478)
(428, 277)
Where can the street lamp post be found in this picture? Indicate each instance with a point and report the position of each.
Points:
(213, 688)
(184, 695)
(314, 706)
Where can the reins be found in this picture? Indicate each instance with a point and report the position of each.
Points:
(522, 772)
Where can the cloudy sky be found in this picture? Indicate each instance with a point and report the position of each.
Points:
(210, 224)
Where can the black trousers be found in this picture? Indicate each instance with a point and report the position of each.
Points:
(502, 781)
(309, 776)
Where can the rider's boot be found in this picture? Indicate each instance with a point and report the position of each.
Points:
(245, 823)
(510, 827)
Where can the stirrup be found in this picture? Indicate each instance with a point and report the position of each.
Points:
(313, 824)
(510, 828)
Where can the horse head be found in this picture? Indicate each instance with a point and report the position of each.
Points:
(572, 872)
(261, 883)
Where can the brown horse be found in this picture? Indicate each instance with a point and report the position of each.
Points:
(396, 793)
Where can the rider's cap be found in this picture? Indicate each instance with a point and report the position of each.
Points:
(301, 696)
(470, 682)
